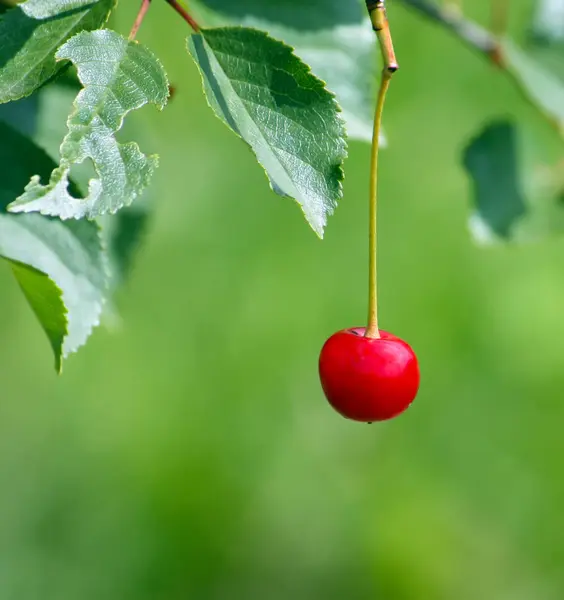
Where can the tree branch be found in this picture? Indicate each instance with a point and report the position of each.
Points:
(488, 45)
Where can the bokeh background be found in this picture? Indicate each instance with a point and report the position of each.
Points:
(188, 453)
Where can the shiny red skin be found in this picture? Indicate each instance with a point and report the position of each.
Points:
(368, 379)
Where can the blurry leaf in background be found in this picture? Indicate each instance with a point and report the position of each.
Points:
(544, 87)
(518, 193)
(545, 41)
(118, 77)
(28, 44)
(123, 233)
(281, 110)
(334, 38)
(548, 21)
(70, 254)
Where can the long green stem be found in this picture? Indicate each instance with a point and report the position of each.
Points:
(380, 25)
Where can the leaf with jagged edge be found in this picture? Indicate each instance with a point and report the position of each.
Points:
(334, 38)
(30, 35)
(118, 76)
(264, 93)
(46, 300)
(69, 253)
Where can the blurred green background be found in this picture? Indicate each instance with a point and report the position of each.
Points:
(190, 454)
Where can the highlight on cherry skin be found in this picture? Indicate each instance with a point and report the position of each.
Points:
(368, 379)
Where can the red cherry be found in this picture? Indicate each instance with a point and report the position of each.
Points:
(368, 379)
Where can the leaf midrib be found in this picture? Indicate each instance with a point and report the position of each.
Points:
(258, 125)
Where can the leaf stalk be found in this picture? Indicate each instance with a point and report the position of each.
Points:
(139, 18)
(184, 14)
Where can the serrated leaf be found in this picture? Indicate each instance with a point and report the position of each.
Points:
(518, 191)
(123, 233)
(28, 44)
(118, 76)
(334, 38)
(69, 253)
(42, 117)
(270, 98)
(46, 301)
(346, 59)
(43, 9)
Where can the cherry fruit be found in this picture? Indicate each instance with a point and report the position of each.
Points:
(368, 378)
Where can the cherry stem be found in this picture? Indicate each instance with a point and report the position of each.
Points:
(184, 14)
(380, 25)
(139, 18)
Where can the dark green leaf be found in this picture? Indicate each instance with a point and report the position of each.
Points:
(270, 98)
(118, 77)
(46, 301)
(69, 253)
(295, 14)
(334, 38)
(29, 42)
(518, 191)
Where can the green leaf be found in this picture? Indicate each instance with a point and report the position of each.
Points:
(118, 77)
(295, 14)
(29, 42)
(545, 43)
(69, 253)
(548, 22)
(46, 301)
(270, 98)
(334, 38)
(123, 234)
(518, 185)
(44, 9)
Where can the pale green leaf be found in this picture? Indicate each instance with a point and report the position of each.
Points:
(69, 253)
(270, 98)
(545, 42)
(542, 85)
(28, 43)
(334, 38)
(118, 76)
(548, 21)
(43, 9)
(517, 182)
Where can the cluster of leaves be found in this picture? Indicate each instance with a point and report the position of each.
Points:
(63, 250)
(294, 102)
